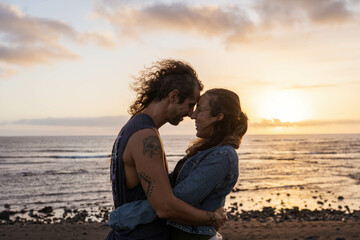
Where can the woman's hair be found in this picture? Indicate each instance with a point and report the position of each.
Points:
(156, 82)
(229, 130)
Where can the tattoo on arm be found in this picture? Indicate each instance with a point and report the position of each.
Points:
(145, 181)
(152, 146)
(212, 219)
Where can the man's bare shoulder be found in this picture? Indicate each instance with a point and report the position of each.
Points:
(141, 136)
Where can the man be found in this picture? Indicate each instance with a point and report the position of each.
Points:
(166, 92)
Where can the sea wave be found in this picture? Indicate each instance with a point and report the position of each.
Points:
(355, 176)
(319, 153)
(65, 150)
(62, 202)
(95, 156)
(51, 194)
(354, 145)
(175, 155)
(244, 153)
(341, 166)
(23, 163)
(290, 140)
(267, 157)
(286, 159)
(338, 158)
(52, 172)
(278, 187)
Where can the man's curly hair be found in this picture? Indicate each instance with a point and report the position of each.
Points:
(156, 82)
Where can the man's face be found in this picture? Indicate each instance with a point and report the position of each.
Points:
(185, 109)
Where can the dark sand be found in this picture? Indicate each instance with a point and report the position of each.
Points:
(268, 223)
(232, 230)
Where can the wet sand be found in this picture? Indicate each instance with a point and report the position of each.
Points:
(66, 231)
(232, 230)
(265, 223)
(292, 230)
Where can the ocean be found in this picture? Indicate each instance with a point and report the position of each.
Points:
(280, 171)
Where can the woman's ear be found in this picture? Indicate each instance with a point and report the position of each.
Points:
(220, 117)
(174, 96)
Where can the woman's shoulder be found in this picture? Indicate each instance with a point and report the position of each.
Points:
(224, 150)
(220, 153)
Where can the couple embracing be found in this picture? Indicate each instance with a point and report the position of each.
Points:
(188, 203)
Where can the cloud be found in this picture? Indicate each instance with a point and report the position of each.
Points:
(27, 40)
(230, 23)
(311, 86)
(6, 71)
(321, 85)
(83, 125)
(272, 123)
(310, 123)
(211, 21)
(292, 11)
(108, 125)
(75, 122)
(30, 55)
(104, 39)
(113, 121)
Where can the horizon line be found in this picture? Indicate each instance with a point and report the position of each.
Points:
(250, 134)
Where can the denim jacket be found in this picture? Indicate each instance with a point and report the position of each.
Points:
(203, 182)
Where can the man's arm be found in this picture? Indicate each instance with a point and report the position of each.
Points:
(147, 153)
(215, 167)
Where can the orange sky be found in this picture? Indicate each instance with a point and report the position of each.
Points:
(65, 68)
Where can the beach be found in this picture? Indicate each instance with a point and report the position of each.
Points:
(289, 187)
(232, 230)
(268, 223)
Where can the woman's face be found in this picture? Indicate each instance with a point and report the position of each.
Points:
(204, 122)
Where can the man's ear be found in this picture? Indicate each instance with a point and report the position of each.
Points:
(174, 96)
(220, 117)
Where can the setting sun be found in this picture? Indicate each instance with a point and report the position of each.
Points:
(282, 58)
(287, 106)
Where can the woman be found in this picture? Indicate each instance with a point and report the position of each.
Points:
(209, 170)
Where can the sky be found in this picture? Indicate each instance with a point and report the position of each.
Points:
(66, 66)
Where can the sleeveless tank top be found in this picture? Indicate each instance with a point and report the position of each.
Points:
(122, 194)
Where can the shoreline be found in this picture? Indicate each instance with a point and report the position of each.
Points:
(269, 223)
(48, 215)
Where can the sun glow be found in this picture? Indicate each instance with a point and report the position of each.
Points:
(287, 106)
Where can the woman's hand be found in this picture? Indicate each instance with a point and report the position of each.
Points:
(220, 218)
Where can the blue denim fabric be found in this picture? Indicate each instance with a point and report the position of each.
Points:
(203, 182)
(128, 215)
